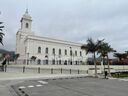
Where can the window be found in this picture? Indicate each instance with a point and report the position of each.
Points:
(75, 53)
(70, 52)
(53, 51)
(65, 62)
(38, 61)
(39, 49)
(46, 50)
(76, 62)
(65, 52)
(59, 51)
(80, 53)
(59, 62)
(46, 62)
(53, 61)
(27, 25)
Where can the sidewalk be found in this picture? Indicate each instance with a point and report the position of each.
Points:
(8, 78)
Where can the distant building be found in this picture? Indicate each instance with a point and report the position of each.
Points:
(46, 50)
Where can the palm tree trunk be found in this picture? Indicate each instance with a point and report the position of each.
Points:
(104, 64)
(108, 66)
(95, 65)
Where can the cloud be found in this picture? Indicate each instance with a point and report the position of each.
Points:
(73, 20)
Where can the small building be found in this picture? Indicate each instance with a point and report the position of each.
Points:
(46, 50)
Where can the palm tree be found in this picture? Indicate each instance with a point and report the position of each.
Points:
(92, 47)
(126, 53)
(1, 34)
(104, 49)
(120, 56)
(33, 58)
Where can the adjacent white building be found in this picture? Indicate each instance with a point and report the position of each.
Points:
(46, 50)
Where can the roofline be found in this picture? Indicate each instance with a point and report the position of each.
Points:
(53, 40)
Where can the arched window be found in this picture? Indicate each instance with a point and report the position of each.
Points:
(59, 62)
(70, 52)
(53, 61)
(65, 52)
(38, 61)
(27, 25)
(39, 49)
(53, 51)
(76, 62)
(80, 53)
(46, 61)
(46, 50)
(65, 62)
(59, 51)
(75, 53)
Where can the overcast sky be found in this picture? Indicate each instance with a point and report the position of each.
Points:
(72, 20)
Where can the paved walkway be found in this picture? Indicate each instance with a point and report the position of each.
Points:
(9, 78)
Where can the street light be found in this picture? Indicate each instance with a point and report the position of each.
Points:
(27, 58)
(71, 55)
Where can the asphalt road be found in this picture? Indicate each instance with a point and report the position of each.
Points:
(73, 87)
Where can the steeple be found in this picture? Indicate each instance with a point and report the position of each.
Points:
(26, 11)
(26, 22)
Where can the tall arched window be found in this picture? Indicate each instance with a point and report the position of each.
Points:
(59, 51)
(59, 62)
(38, 61)
(39, 49)
(70, 52)
(46, 50)
(65, 52)
(80, 53)
(27, 25)
(53, 51)
(75, 53)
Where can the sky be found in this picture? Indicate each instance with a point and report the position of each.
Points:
(72, 20)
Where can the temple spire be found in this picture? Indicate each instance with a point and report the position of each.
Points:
(26, 11)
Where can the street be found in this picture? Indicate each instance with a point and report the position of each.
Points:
(72, 87)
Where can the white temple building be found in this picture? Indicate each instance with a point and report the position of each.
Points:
(46, 50)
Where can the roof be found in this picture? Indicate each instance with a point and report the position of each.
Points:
(39, 38)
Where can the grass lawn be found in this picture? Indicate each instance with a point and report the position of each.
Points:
(120, 75)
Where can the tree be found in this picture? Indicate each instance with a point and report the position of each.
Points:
(104, 49)
(126, 53)
(1, 34)
(92, 47)
(120, 56)
(33, 58)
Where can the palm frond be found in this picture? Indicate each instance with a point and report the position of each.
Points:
(1, 26)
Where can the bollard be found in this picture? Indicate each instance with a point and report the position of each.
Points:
(61, 70)
(5, 68)
(51, 70)
(70, 71)
(78, 71)
(23, 69)
(38, 69)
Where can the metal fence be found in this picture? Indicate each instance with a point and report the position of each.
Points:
(49, 62)
(40, 70)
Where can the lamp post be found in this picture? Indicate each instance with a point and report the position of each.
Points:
(71, 55)
(54, 58)
(27, 58)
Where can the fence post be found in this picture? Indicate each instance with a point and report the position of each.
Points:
(38, 69)
(51, 70)
(61, 70)
(70, 71)
(78, 71)
(23, 69)
(5, 68)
